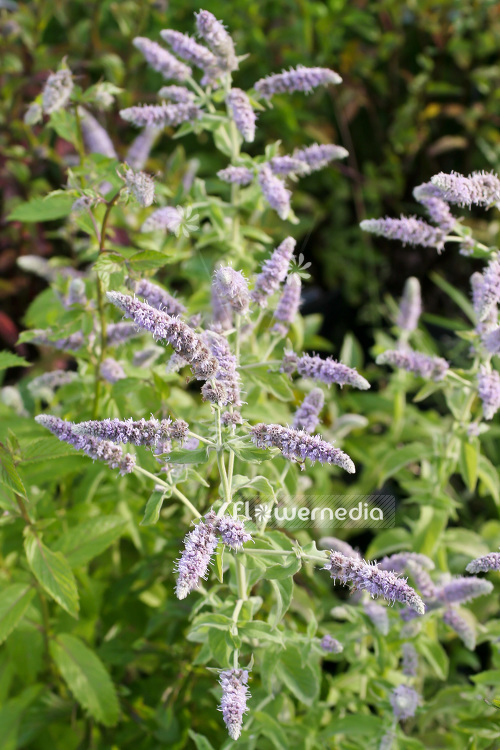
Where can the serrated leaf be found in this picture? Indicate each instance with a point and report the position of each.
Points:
(401, 457)
(14, 601)
(52, 571)
(86, 677)
(89, 539)
(434, 654)
(8, 359)
(43, 209)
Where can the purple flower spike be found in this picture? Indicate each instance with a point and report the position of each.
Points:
(288, 305)
(298, 445)
(243, 114)
(488, 294)
(410, 307)
(410, 660)
(307, 415)
(234, 699)
(483, 564)
(488, 385)
(236, 175)
(421, 579)
(72, 342)
(232, 287)
(463, 589)
(420, 364)
(408, 230)
(164, 327)
(160, 115)
(287, 165)
(461, 627)
(95, 137)
(479, 188)
(274, 191)
(226, 376)
(178, 94)
(400, 561)
(331, 645)
(141, 186)
(199, 546)
(148, 432)
(325, 370)
(378, 615)
(338, 545)
(217, 40)
(112, 371)
(189, 50)
(376, 582)
(161, 60)
(158, 298)
(274, 272)
(298, 79)
(232, 532)
(118, 333)
(491, 341)
(431, 197)
(404, 702)
(319, 155)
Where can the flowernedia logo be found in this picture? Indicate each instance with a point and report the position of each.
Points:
(318, 511)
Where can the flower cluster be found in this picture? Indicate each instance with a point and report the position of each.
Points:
(274, 191)
(234, 699)
(288, 305)
(296, 79)
(325, 370)
(408, 229)
(420, 364)
(57, 91)
(404, 702)
(273, 273)
(231, 288)
(479, 188)
(147, 432)
(161, 60)
(243, 114)
(158, 298)
(491, 561)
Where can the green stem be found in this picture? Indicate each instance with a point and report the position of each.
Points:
(196, 513)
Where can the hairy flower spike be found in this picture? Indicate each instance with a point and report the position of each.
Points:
(227, 375)
(111, 370)
(243, 114)
(148, 432)
(331, 645)
(160, 115)
(118, 333)
(274, 191)
(407, 229)
(57, 91)
(400, 561)
(378, 615)
(462, 589)
(410, 660)
(288, 305)
(296, 79)
(420, 364)
(287, 165)
(234, 699)
(141, 186)
(140, 148)
(161, 60)
(307, 415)
(232, 532)
(217, 40)
(298, 445)
(431, 197)
(465, 632)
(178, 94)
(95, 137)
(488, 385)
(479, 188)
(404, 702)
(325, 370)
(371, 578)
(488, 293)
(158, 298)
(45, 384)
(232, 287)
(410, 307)
(491, 561)
(189, 50)
(167, 328)
(319, 155)
(199, 546)
(274, 272)
(72, 342)
(236, 175)
(338, 545)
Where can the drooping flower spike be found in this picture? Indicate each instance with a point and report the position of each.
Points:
(217, 40)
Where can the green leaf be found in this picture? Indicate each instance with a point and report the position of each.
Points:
(148, 260)
(303, 681)
(43, 209)
(272, 730)
(183, 456)
(260, 630)
(458, 298)
(7, 359)
(283, 593)
(90, 538)
(86, 677)
(11, 715)
(153, 508)
(434, 654)
(358, 724)
(489, 477)
(219, 562)
(393, 462)
(468, 463)
(52, 571)
(201, 742)
(14, 601)
(247, 451)
(9, 476)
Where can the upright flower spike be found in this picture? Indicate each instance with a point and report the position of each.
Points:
(232, 288)
(141, 186)
(167, 218)
(421, 579)
(217, 40)
(319, 155)
(426, 366)
(95, 137)
(378, 615)
(325, 370)
(298, 446)
(331, 645)
(408, 230)
(456, 622)
(232, 532)
(100, 450)
(189, 50)
(307, 415)
(288, 305)
(236, 175)
(488, 385)
(461, 590)
(273, 273)
(234, 699)
(164, 327)
(111, 370)
(376, 582)
(158, 298)
(57, 91)
(296, 79)
(483, 564)
(274, 191)
(410, 660)
(222, 314)
(479, 188)
(160, 115)
(410, 307)
(199, 547)
(243, 114)
(404, 702)
(161, 60)
(431, 197)
(140, 148)
(148, 432)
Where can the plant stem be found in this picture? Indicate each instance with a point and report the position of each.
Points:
(172, 488)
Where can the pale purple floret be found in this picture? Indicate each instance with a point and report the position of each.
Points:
(243, 114)
(287, 165)
(236, 175)
(95, 137)
(140, 148)
(57, 91)
(462, 589)
(148, 432)
(431, 197)
(72, 342)
(199, 546)
(407, 229)
(488, 385)
(319, 155)
(157, 297)
(404, 702)
(227, 374)
(161, 60)
(274, 191)
(296, 79)
(186, 48)
(234, 699)
(410, 660)
(298, 446)
(274, 272)
(160, 115)
(288, 305)
(378, 615)
(111, 370)
(232, 288)
(178, 94)
(307, 415)
(101, 450)
(118, 333)
(217, 40)
(369, 577)
(479, 188)
(410, 306)
(168, 218)
(461, 627)
(491, 341)
(338, 545)
(325, 370)
(400, 560)
(331, 644)
(232, 532)
(164, 327)
(424, 365)
(488, 293)
(491, 561)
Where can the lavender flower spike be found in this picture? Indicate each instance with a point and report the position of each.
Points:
(404, 702)
(235, 175)
(325, 370)
(331, 645)
(287, 165)
(112, 371)
(462, 590)
(274, 271)
(491, 340)
(148, 432)
(376, 582)
(410, 660)
(410, 307)
(234, 699)
(488, 294)
(488, 384)
(232, 287)
(118, 333)
(45, 384)
(298, 445)
(101, 450)
(95, 137)
(217, 40)
(167, 328)
(161, 60)
(178, 94)
(141, 186)
(186, 48)
(491, 561)
(57, 91)
(307, 415)
(431, 197)
(243, 114)
(416, 362)
(226, 376)
(399, 561)
(232, 532)
(158, 298)
(274, 191)
(288, 305)
(160, 115)
(199, 546)
(168, 218)
(408, 230)
(298, 79)
(140, 148)
(72, 342)
(319, 155)
(378, 615)
(461, 627)
(479, 188)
